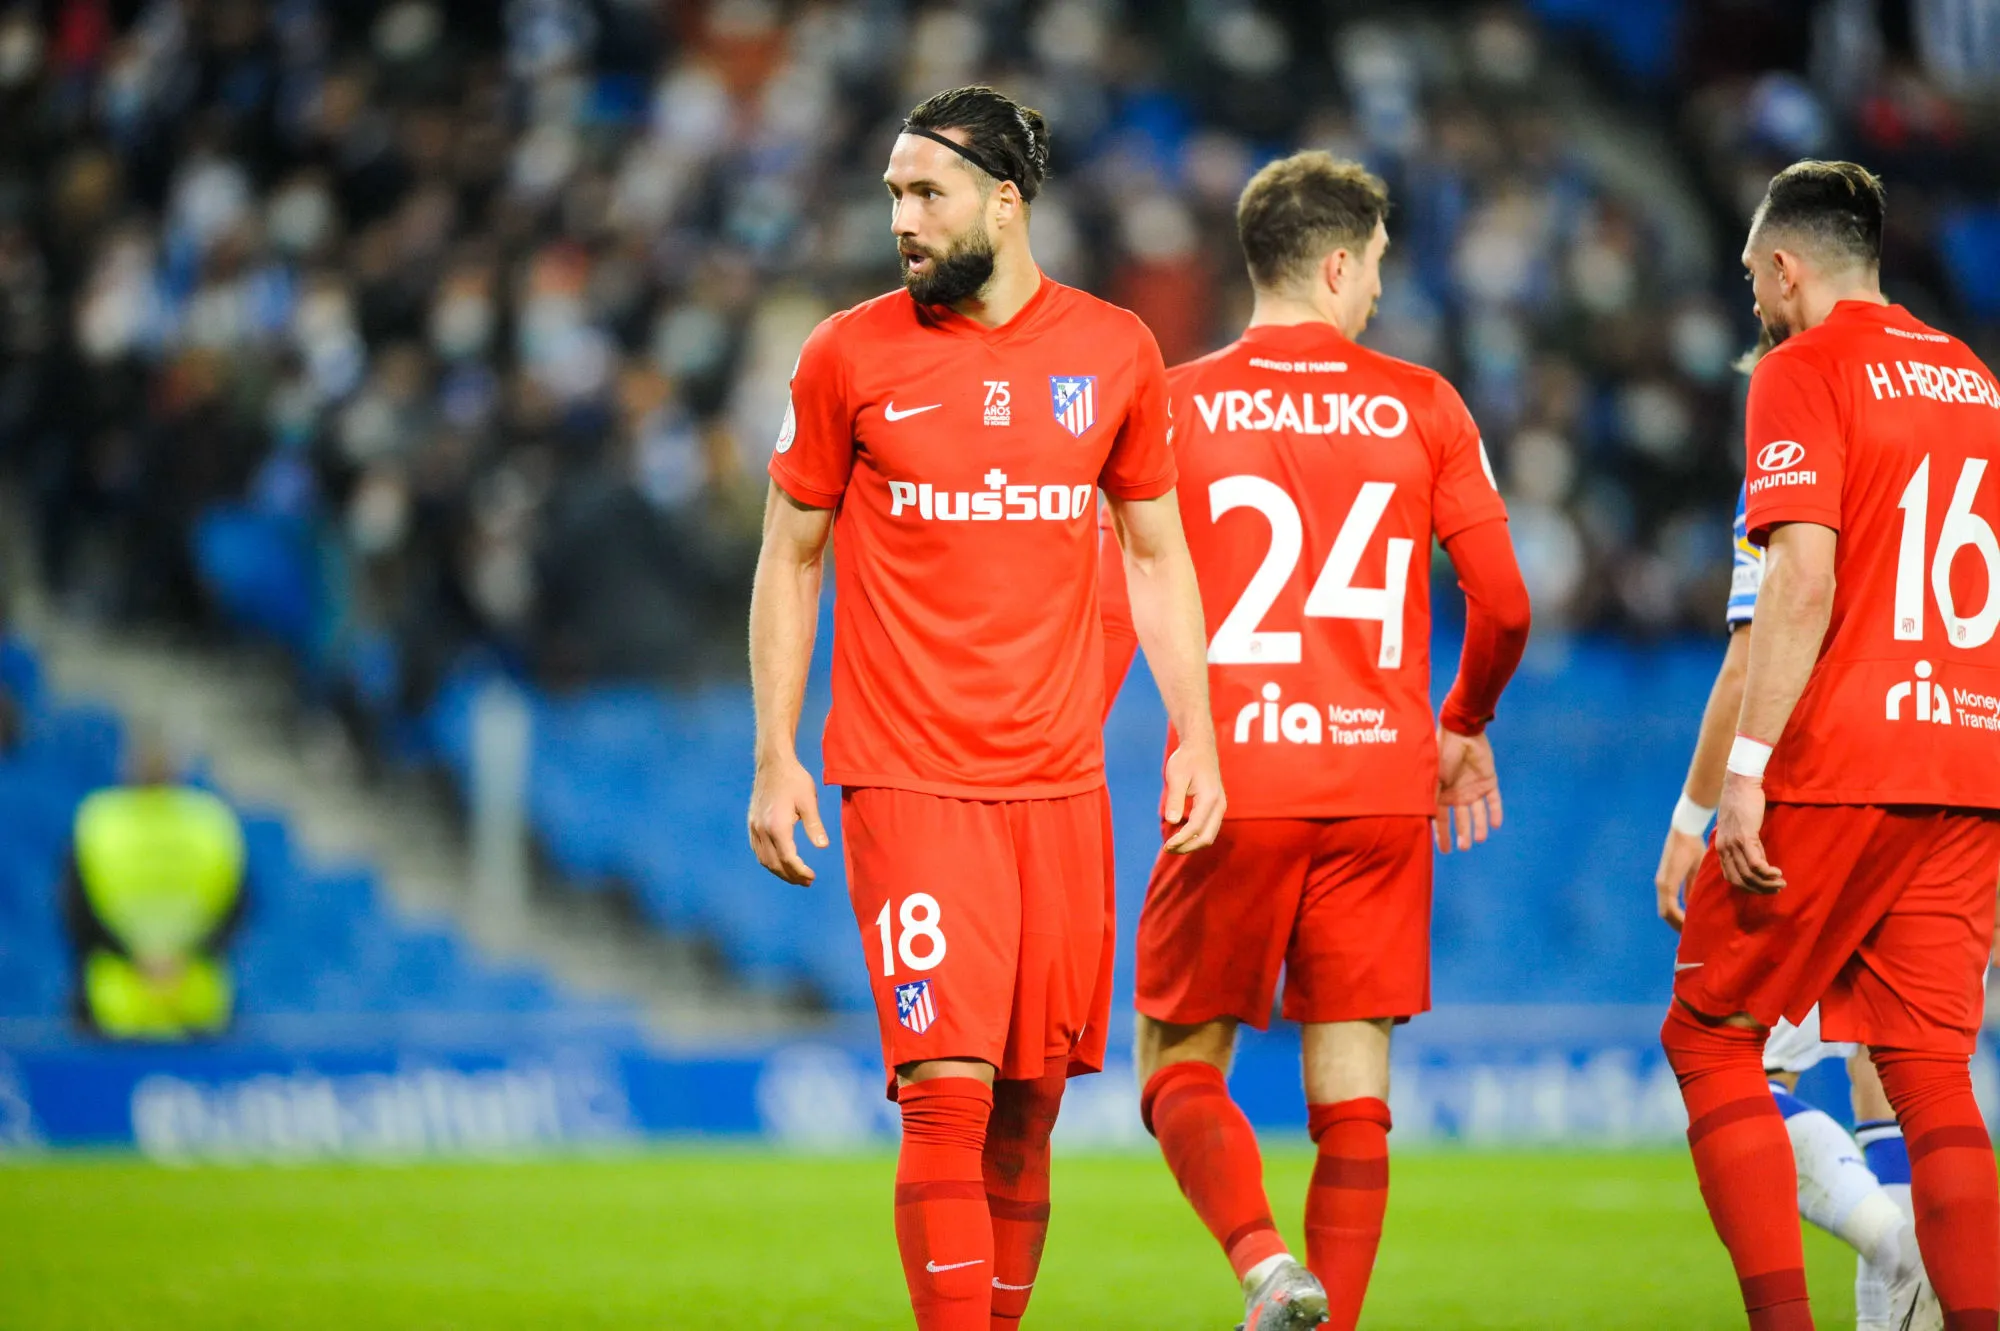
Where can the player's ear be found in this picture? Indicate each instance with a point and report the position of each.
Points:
(1007, 207)
(1789, 268)
(1333, 270)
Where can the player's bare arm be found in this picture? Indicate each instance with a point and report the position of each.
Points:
(1703, 789)
(1496, 633)
(1793, 609)
(784, 611)
(1166, 613)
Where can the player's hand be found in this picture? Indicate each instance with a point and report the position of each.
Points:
(1193, 799)
(1677, 860)
(1739, 844)
(1469, 784)
(784, 794)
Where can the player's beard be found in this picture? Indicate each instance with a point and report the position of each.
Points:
(958, 274)
(1765, 341)
(1775, 331)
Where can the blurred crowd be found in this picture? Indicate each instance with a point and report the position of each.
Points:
(497, 301)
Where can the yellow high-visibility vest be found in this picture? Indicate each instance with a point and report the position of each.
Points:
(161, 867)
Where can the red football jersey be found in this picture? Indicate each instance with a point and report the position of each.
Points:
(1314, 474)
(1884, 429)
(964, 463)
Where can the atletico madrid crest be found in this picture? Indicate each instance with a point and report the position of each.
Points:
(1075, 399)
(915, 1008)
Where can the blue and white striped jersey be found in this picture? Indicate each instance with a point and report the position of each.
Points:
(1748, 574)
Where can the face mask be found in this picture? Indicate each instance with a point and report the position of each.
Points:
(408, 30)
(503, 583)
(294, 409)
(20, 53)
(123, 93)
(1701, 344)
(299, 218)
(379, 514)
(462, 326)
(324, 316)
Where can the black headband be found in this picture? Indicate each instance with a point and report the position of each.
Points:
(962, 151)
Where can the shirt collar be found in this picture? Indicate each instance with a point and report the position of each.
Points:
(1313, 336)
(945, 318)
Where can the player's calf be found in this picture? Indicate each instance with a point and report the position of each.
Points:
(1953, 1182)
(1016, 1165)
(1347, 1089)
(943, 1229)
(1209, 1144)
(1346, 1201)
(1743, 1159)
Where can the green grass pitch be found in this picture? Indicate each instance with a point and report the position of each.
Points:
(742, 1238)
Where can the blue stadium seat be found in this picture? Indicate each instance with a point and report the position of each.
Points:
(1969, 242)
(262, 570)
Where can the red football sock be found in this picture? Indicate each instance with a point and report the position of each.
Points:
(1017, 1187)
(1952, 1182)
(1212, 1151)
(1743, 1158)
(942, 1227)
(1344, 1205)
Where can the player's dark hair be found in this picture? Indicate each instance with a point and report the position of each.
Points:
(1834, 207)
(1004, 139)
(1301, 208)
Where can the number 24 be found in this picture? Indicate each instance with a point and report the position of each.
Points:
(1238, 640)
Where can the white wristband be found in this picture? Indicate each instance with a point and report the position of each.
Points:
(1748, 757)
(1691, 819)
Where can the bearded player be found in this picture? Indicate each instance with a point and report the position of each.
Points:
(1314, 476)
(1856, 1188)
(1857, 839)
(952, 436)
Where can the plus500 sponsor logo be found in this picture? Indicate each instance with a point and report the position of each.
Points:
(1304, 413)
(998, 502)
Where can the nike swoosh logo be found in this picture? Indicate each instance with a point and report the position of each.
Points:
(998, 1283)
(934, 1268)
(1680, 966)
(889, 412)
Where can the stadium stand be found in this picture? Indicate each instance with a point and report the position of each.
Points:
(380, 313)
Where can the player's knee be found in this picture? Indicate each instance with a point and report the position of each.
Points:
(1191, 1076)
(1028, 1109)
(1694, 1042)
(1347, 1060)
(1158, 1043)
(910, 1074)
(1322, 1118)
(1870, 1101)
(1915, 1081)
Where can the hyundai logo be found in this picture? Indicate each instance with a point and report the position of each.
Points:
(1781, 455)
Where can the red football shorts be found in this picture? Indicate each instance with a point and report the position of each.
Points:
(1886, 921)
(988, 926)
(1342, 904)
